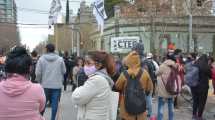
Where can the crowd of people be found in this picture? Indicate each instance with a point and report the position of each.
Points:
(30, 82)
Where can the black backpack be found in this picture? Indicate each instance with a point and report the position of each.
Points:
(151, 69)
(135, 97)
(68, 64)
(81, 77)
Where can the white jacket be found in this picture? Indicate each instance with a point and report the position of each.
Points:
(93, 99)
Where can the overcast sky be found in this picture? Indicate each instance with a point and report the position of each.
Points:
(32, 35)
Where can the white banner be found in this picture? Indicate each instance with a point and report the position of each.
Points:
(54, 11)
(123, 44)
(99, 13)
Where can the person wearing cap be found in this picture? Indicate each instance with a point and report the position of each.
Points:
(50, 72)
(150, 56)
(153, 65)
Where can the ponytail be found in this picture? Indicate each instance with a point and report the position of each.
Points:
(110, 64)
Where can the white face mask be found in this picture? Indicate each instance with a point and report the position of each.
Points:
(89, 70)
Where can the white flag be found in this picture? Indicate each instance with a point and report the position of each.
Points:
(99, 13)
(54, 11)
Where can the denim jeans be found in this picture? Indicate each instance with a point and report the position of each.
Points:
(161, 102)
(52, 95)
(149, 105)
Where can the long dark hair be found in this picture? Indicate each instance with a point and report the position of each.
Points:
(105, 59)
(202, 63)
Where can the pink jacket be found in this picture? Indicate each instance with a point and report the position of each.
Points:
(20, 99)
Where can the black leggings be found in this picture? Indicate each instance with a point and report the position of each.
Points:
(199, 100)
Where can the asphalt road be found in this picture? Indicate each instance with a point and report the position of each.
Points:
(68, 111)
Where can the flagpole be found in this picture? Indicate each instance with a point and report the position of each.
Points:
(56, 36)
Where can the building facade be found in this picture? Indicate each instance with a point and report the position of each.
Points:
(158, 23)
(8, 11)
(9, 34)
(85, 23)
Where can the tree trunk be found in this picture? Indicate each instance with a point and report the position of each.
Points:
(188, 44)
(116, 27)
(152, 42)
(195, 37)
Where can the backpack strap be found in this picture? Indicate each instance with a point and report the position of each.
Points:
(127, 76)
(138, 76)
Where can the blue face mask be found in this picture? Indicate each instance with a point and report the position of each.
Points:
(89, 70)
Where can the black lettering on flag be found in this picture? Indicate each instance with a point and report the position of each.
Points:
(100, 5)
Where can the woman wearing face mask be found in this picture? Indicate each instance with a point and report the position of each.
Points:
(93, 98)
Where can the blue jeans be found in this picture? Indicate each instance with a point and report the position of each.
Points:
(161, 102)
(52, 95)
(149, 105)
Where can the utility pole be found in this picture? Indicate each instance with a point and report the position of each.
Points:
(190, 30)
(116, 20)
(190, 17)
(153, 26)
(56, 36)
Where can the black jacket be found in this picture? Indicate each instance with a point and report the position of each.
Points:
(204, 76)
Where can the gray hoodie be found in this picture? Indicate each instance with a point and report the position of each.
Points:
(50, 71)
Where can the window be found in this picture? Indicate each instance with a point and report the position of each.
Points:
(2, 2)
(200, 3)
